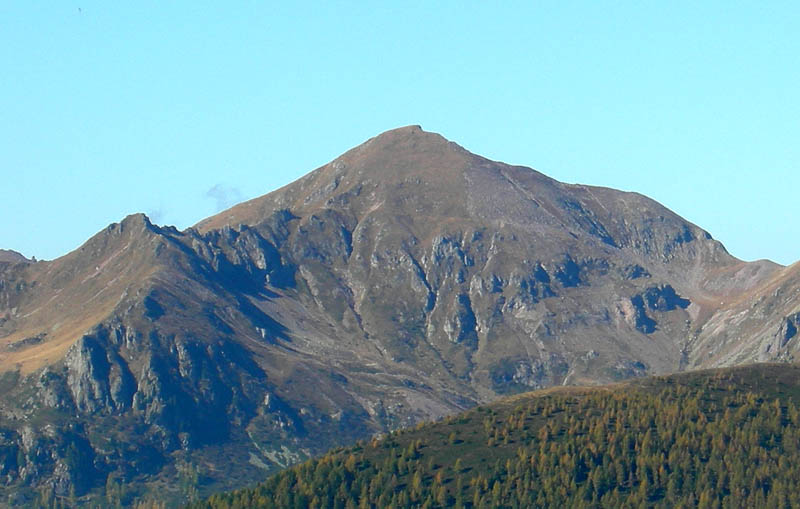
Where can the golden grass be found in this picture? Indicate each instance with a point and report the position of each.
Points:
(53, 349)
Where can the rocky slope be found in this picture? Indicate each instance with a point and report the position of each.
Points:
(405, 280)
(759, 325)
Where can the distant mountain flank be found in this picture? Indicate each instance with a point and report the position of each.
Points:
(406, 280)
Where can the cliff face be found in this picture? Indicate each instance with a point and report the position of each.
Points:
(405, 280)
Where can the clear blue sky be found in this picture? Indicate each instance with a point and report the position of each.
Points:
(178, 108)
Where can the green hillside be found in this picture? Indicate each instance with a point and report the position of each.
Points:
(727, 438)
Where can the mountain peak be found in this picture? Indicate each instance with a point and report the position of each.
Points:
(406, 142)
(431, 182)
(410, 129)
(137, 222)
(404, 280)
(393, 164)
(401, 133)
(11, 256)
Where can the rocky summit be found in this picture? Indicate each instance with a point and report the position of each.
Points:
(406, 280)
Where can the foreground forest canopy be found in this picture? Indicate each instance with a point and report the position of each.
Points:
(723, 438)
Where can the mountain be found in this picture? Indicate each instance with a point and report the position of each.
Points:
(9, 256)
(406, 280)
(723, 438)
(758, 325)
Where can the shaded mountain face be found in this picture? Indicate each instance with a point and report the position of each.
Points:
(405, 280)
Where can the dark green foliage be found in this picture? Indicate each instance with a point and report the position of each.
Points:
(712, 440)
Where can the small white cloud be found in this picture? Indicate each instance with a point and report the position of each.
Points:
(156, 215)
(224, 196)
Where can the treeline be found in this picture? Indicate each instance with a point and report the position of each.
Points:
(708, 441)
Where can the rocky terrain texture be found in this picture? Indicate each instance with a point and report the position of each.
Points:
(406, 280)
